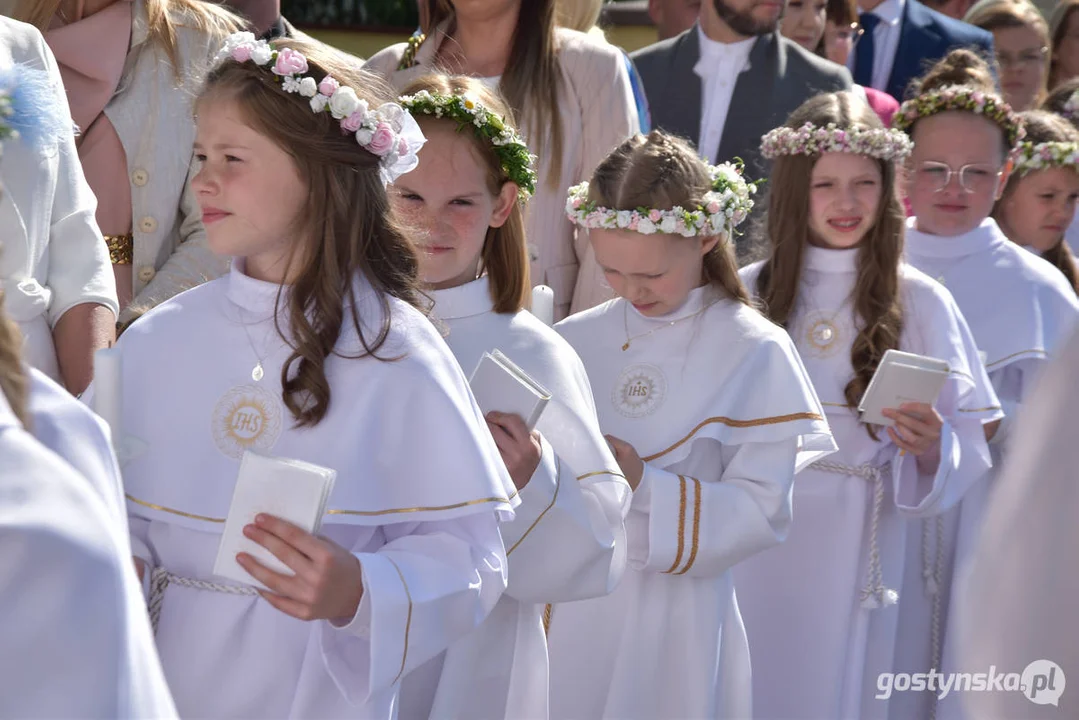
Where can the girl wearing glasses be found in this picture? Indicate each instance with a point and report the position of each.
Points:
(1021, 43)
(1039, 200)
(1020, 308)
(834, 279)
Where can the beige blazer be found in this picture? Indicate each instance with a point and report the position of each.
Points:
(598, 113)
(153, 114)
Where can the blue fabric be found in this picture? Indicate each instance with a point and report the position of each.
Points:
(863, 51)
(639, 96)
(36, 115)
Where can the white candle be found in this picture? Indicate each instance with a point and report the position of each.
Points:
(543, 303)
(107, 389)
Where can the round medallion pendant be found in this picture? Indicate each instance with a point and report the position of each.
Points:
(247, 417)
(822, 336)
(639, 390)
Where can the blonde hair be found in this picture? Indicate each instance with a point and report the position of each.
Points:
(532, 78)
(505, 253)
(661, 171)
(994, 15)
(580, 15)
(163, 19)
(347, 222)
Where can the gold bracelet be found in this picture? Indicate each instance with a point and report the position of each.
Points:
(121, 248)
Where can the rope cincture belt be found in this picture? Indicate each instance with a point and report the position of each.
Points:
(161, 578)
(874, 594)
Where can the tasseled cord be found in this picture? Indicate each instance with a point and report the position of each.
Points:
(874, 595)
(932, 574)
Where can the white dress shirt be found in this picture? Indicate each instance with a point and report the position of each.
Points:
(718, 67)
(885, 41)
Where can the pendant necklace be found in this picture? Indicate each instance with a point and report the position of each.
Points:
(669, 323)
(257, 372)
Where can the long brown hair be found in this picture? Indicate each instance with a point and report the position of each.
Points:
(505, 253)
(1058, 25)
(662, 171)
(163, 18)
(875, 298)
(14, 382)
(532, 78)
(347, 219)
(1043, 127)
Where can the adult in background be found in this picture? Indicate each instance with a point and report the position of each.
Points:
(583, 16)
(830, 29)
(730, 78)
(956, 9)
(131, 69)
(266, 21)
(673, 17)
(54, 266)
(1021, 42)
(573, 100)
(903, 38)
(1064, 32)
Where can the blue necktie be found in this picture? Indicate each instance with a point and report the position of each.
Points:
(863, 53)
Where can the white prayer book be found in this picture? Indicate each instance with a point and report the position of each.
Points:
(292, 490)
(500, 386)
(901, 378)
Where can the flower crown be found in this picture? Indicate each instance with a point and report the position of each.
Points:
(517, 162)
(959, 97)
(813, 139)
(1043, 156)
(723, 208)
(387, 131)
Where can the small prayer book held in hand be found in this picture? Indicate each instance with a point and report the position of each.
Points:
(901, 378)
(292, 490)
(500, 386)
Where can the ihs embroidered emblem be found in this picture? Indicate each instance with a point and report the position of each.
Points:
(640, 389)
(247, 417)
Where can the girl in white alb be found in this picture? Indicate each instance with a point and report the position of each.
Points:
(1020, 308)
(309, 349)
(821, 609)
(567, 541)
(710, 414)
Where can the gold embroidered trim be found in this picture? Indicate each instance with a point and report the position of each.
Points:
(121, 248)
(408, 618)
(548, 613)
(681, 525)
(174, 512)
(696, 529)
(776, 420)
(554, 499)
(601, 472)
(829, 404)
(359, 513)
(1036, 351)
(984, 409)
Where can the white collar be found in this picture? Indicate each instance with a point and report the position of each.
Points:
(828, 260)
(472, 298)
(260, 296)
(983, 237)
(714, 52)
(889, 11)
(698, 299)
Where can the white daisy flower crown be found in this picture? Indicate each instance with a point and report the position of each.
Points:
(1044, 156)
(387, 131)
(812, 139)
(723, 208)
(962, 98)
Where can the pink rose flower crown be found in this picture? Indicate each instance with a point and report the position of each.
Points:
(964, 99)
(812, 139)
(388, 131)
(722, 209)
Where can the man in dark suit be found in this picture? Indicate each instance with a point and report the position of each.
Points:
(731, 78)
(903, 38)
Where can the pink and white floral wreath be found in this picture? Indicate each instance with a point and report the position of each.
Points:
(388, 131)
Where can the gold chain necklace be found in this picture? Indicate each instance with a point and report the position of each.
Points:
(669, 323)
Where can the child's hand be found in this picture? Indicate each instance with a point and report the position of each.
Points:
(917, 431)
(328, 583)
(628, 459)
(519, 448)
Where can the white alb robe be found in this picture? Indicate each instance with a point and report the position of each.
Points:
(1016, 603)
(1021, 310)
(419, 492)
(816, 645)
(567, 541)
(722, 412)
(76, 642)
